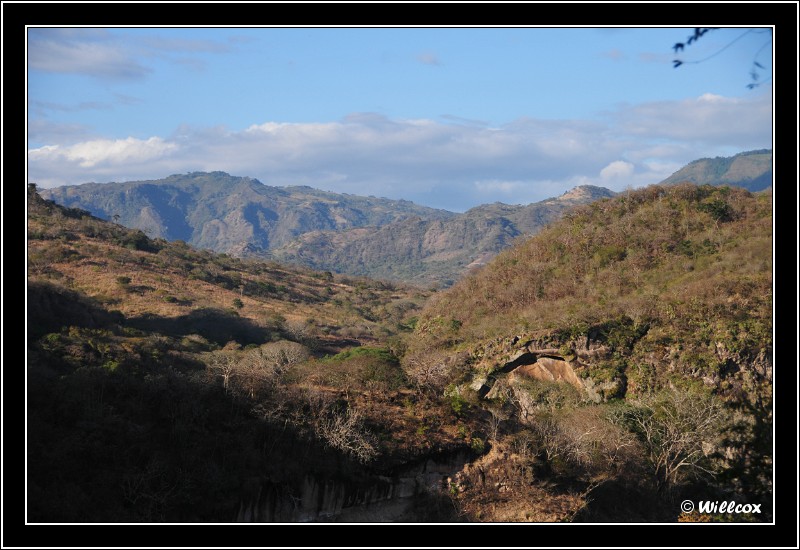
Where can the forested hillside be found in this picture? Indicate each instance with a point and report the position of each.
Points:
(171, 384)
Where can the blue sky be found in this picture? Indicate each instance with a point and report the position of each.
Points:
(447, 117)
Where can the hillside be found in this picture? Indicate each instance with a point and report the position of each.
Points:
(613, 365)
(647, 311)
(170, 384)
(751, 170)
(234, 215)
(431, 251)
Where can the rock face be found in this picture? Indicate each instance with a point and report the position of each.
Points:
(352, 496)
(509, 363)
(549, 369)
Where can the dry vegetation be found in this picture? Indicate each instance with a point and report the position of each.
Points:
(660, 302)
(161, 378)
(214, 369)
(123, 270)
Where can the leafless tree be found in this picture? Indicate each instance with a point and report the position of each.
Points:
(344, 431)
(224, 364)
(498, 415)
(679, 431)
(278, 356)
(427, 370)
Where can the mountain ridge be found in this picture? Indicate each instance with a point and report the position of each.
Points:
(751, 170)
(217, 211)
(243, 217)
(432, 251)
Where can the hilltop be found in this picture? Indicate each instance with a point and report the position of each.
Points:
(167, 383)
(751, 170)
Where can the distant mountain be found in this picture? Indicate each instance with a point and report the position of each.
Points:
(235, 215)
(376, 237)
(751, 170)
(431, 251)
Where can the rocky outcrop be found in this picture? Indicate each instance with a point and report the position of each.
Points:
(352, 496)
(515, 361)
(550, 369)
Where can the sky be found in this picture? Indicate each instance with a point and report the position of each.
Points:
(445, 117)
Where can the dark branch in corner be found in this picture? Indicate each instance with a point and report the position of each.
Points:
(700, 31)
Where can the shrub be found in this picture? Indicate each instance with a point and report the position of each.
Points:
(365, 367)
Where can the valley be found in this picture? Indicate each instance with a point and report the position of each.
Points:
(168, 383)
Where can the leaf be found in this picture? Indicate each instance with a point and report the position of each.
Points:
(676, 63)
(678, 46)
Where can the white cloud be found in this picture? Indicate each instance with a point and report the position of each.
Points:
(101, 54)
(616, 170)
(97, 153)
(444, 164)
(712, 98)
(184, 45)
(707, 120)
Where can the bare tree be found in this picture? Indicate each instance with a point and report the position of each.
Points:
(679, 431)
(427, 369)
(300, 330)
(224, 364)
(344, 430)
(756, 68)
(280, 355)
(498, 415)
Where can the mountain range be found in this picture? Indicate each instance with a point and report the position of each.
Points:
(367, 236)
(234, 215)
(377, 237)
